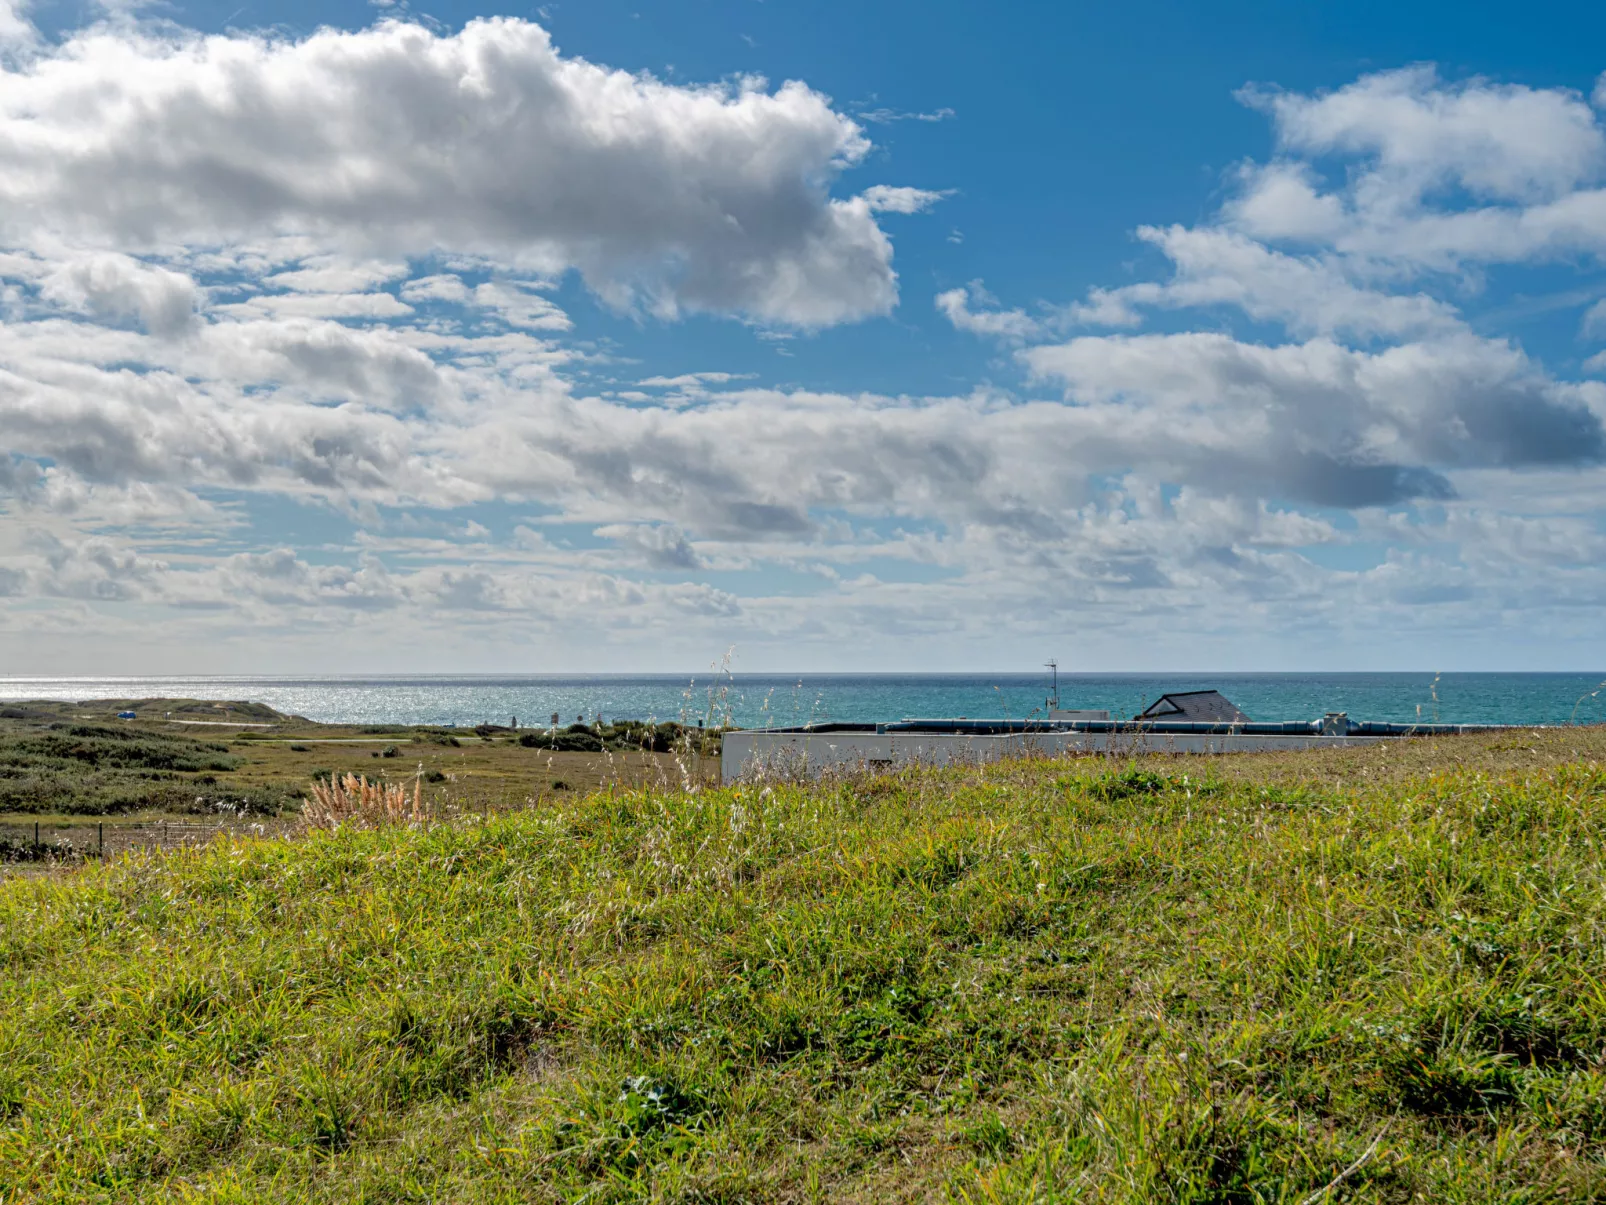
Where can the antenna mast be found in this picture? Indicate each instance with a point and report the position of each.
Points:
(1054, 666)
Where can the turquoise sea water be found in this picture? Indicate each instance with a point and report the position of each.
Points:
(753, 700)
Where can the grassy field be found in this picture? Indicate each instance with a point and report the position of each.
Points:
(71, 767)
(1186, 980)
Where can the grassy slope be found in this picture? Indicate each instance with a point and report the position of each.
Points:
(1034, 981)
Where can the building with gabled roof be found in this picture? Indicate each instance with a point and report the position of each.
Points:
(1194, 706)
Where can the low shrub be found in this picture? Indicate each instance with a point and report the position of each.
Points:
(563, 742)
(626, 736)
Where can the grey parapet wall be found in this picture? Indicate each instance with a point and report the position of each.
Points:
(816, 749)
(795, 754)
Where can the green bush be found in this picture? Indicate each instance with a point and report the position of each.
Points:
(625, 736)
(563, 742)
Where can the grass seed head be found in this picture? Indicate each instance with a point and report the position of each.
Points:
(353, 801)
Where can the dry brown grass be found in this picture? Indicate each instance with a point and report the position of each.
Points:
(352, 801)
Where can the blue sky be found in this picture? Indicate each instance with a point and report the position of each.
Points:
(883, 336)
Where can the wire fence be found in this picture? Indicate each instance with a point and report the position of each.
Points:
(42, 840)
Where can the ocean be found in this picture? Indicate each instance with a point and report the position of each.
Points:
(757, 700)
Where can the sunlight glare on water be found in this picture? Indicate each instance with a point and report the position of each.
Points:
(753, 700)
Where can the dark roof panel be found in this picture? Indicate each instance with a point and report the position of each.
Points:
(1194, 706)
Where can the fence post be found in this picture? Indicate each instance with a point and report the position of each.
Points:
(100, 840)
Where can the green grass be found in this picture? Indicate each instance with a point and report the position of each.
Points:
(1036, 981)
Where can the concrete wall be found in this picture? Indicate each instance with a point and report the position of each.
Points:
(803, 754)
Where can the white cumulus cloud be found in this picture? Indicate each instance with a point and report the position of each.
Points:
(110, 285)
(484, 142)
(885, 198)
(958, 306)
